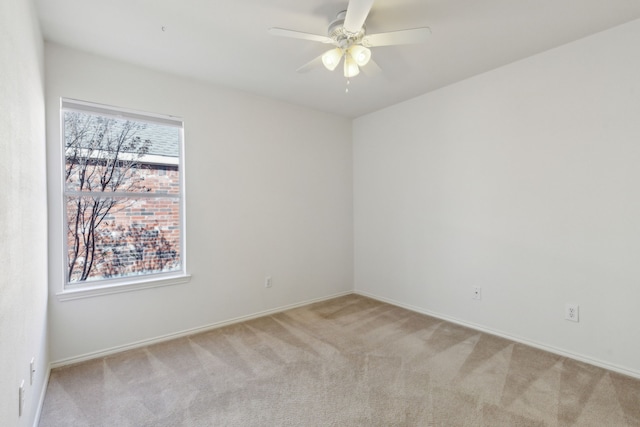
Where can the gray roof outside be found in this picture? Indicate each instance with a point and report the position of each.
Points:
(165, 140)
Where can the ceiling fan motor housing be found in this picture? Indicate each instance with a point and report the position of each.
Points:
(340, 35)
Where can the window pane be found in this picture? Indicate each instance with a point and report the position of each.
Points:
(108, 154)
(122, 193)
(115, 237)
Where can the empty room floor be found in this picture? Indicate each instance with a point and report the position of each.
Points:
(348, 361)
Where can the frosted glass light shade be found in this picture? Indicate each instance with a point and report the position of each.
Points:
(350, 66)
(360, 54)
(331, 58)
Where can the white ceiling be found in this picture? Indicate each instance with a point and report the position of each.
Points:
(226, 42)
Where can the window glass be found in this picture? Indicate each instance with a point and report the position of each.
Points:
(123, 194)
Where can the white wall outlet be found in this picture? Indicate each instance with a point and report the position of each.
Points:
(32, 370)
(267, 282)
(571, 312)
(477, 293)
(21, 398)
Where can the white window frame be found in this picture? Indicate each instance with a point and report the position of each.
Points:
(71, 291)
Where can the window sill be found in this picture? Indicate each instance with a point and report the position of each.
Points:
(94, 291)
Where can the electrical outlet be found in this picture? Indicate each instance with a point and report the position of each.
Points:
(267, 282)
(21, 399)
(477, 293)
(571, 312)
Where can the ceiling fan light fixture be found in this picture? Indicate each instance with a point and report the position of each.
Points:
(331, 58)
(350, 66)
(360, 54)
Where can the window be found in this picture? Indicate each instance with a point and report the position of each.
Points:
(123, 196)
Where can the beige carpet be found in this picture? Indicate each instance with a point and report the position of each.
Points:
(350, 361)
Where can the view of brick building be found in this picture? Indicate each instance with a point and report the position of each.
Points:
(129, 224)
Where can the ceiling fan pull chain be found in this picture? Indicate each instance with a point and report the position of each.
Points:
(346, 90)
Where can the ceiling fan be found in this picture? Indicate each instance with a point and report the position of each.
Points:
(347, 33)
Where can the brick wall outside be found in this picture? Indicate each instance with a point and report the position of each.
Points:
(139, 235)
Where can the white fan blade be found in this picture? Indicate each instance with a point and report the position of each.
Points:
(372, 69)
(314, 63)
(357, 13)
(415, 35)
(299, 35)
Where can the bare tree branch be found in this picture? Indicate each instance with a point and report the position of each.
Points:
(102, 154)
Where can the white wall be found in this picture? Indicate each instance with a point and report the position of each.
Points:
(23, 212)
(269, 192)
(524, 181)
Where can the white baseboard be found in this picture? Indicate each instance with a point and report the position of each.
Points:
(43, 392)
(150, 341)
(550, 349)
(142, 343)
